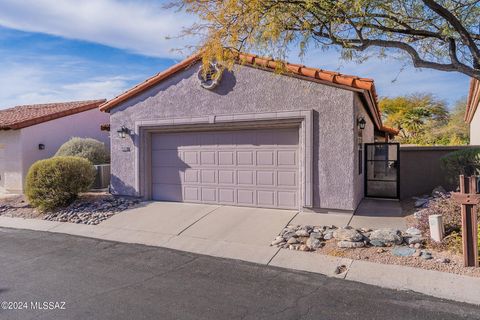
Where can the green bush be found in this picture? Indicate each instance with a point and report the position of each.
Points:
(57, 181)
(466, 162)
(87, 148)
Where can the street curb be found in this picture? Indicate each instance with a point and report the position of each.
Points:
(433, 283)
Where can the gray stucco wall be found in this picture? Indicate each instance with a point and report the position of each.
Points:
(247, 90)
(368, 136)
(421, 170)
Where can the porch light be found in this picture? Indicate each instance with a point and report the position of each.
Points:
(361, 123)
(122, 132)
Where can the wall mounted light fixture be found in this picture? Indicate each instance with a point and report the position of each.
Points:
(361, 123)
(123, 132)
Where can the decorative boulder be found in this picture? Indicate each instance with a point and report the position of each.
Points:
(387, 236)
(347, 235)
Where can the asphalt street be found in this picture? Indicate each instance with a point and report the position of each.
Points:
(54, 276)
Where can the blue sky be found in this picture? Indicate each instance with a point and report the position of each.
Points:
(60, 50)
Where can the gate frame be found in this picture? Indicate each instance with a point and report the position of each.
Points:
(397, 197)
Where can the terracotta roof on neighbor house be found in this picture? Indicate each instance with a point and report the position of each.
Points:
(473, 100)
(390, 130)
(362, 85)
(28, 115)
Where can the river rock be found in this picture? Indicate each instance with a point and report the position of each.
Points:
(414, 240)
(302, 233)
(313, 243)
(316, 235)
(438, 192)
(412, 231)
(292, 240)
(351, 235)
(421, 203)
(350, 244)
(387, 236)
(403, 251)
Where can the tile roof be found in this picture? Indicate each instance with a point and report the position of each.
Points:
(473, 100)
(28, 115)
(362, 85)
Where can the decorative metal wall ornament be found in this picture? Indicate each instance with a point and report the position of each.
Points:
(210, 79)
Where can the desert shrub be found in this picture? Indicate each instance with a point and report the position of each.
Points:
(466, 162)
(87, 148)
(57, 181)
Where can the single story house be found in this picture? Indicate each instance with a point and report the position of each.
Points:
(258, 138)
(29, 133)
(472, 115)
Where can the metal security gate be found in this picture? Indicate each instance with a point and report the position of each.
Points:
(382, 170)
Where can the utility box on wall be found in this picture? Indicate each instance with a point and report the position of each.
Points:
(102, 176)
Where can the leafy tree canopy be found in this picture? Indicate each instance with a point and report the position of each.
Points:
(425, 120)
(441, 34)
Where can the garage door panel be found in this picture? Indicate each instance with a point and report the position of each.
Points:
(246, 197)
(243, 167)
(286, 178)
(208, 158)
(286, 199)
(167, 158)
(245, 158)
(226, 158)
(226, 177)
(245, 177)
(287, 158)
(208, 176)
(191, 176)
(191, 193)
(167, 192)
(266, 158)
(209, 194)
(226, 196)
(266, 178)
(266, 198)
(167, 175)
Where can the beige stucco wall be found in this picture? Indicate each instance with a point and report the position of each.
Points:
(10, 161)
(56, 132)
(250, 90)
(19, 148)
(475, 128)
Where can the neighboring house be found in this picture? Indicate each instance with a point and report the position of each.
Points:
(258, 139)
(472, 116)
(32, 132)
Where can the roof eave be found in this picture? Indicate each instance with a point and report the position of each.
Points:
(473, 100)
(32, 122)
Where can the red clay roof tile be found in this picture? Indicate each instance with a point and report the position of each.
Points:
(28, 115)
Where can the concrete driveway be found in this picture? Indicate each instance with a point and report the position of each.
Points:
(208, 222)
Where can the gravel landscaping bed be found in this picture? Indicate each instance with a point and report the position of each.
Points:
(89, 208)
(388, 246)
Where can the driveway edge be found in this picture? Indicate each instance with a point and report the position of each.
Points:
(433, 283)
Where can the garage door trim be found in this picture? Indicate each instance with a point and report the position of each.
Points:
(301, 119)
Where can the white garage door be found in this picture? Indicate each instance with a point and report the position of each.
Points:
(246, 167)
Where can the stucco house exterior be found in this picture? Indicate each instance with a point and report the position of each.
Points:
(292, 140)
(472, 115)
(29, 133)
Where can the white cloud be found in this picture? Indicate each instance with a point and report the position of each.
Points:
(28, 83)
(137, 26)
